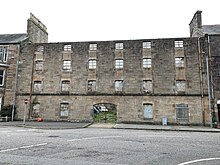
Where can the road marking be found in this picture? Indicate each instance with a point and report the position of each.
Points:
(198, 160)
(92, 138)
(23, 147)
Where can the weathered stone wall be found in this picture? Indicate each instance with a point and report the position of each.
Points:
(7, 91)
(163, 73)
(36, 30)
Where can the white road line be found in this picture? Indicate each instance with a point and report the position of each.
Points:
(5, 131)
(23, 147)
(198, 160)
(164, 136)
(92, 138)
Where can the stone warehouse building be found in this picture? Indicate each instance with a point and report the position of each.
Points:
(143, 81)
(10, 47)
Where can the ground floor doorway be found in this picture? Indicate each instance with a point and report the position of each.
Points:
(104, 113)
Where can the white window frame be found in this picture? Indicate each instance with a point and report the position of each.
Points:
(179, 61)
(147, 62)
(3, 77)
(93, 47)
(119, 85)
(178, 44)
(67, 47)
(119, 63)
(37, 86)
(146, 45)
(1, 53)
(91, 86)
(148, 110)
(119, 46)
(67, 65)
(92, 64)
(180, 85)
(65, 86)
(39, 65)
(147, 86)
(64, 109)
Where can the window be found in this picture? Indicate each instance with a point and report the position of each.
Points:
(179, 62)
(3, 54)
(91, 86)
(66, 65)
(182, 112)
(119, 46)
(36, 110)
(147, 86)
(64, 109)
(118, 85)
(178, 44)
(67, 48)
(147, 63)
(181, 86)
(119, 64)
(2, 77)
(0, 103)
(92, 46)
(38, 65)
(92, 64)
(40, 49)
(65, 86)
(37, 86)
(146, 45)
(148, 111)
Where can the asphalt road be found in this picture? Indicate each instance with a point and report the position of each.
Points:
(95, 146)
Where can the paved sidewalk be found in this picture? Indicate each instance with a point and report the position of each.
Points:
(45, 125)
(156, 127)
(71, 125)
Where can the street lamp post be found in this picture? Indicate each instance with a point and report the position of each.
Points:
(25, 110)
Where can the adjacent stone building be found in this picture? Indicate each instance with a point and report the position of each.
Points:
(10, 48)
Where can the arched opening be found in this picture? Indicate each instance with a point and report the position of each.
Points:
(104, 113)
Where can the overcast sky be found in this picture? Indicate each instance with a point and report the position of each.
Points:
(101, 20)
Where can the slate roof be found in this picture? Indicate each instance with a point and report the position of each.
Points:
(12, 38)
(211, 29)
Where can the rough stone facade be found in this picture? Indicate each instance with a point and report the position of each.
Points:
(172, 61)
(36, 30)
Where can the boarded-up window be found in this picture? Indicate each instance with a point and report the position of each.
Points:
(38, 65)
(119, 64)
(146, 45)
(179, 62)
(147, 63)
(92, 64)
(36, 110)
(92, 46)
(37, 86)
(181, 86)
(65, 86)
(91, 86)
(64, 109)
(66, 65)
(119, 46)
(118, 85)
(147, 86)
(148, 111)
(182, 112)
